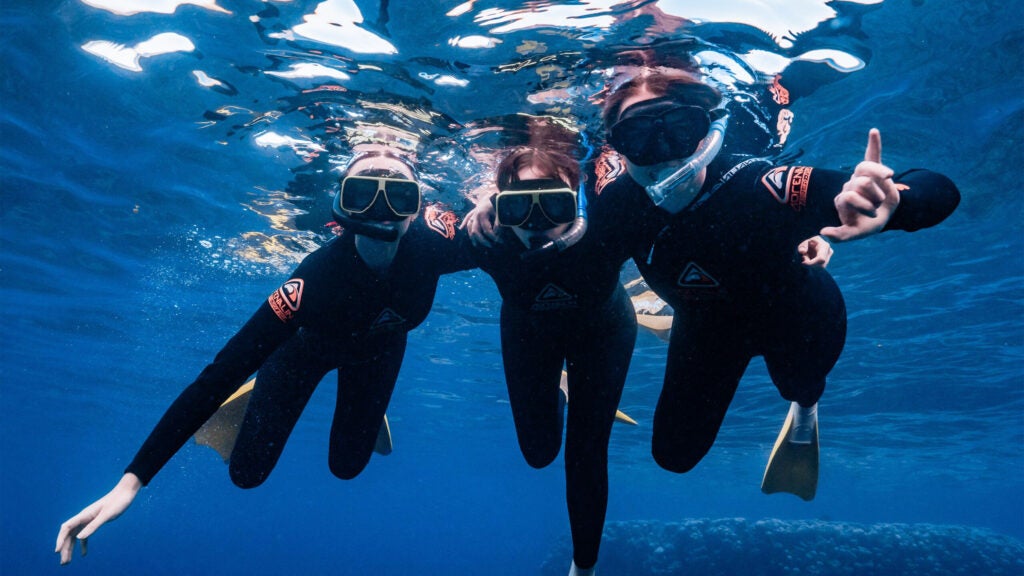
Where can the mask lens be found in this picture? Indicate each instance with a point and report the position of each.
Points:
(558, 206)
(358, 193)
(403, 196)
(513, 209)
(657, 131)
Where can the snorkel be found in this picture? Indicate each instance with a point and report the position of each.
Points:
(579, 226)
(710, 146)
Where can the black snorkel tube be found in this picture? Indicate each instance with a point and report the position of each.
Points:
(368, 228)
(579, 226)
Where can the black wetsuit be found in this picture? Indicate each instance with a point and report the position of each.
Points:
(569, 310)
(334, 312)
(728, 266)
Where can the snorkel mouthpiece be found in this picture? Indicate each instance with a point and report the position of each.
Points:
(662, 190)
(368, 228)
(375, 230)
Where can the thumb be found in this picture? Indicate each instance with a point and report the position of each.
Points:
(835, 233)
(874, 150)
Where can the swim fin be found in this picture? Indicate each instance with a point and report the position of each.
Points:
(793, 464)
(221, 431)
(620, 416)
(384, 445)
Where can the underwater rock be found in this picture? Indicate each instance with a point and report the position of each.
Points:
(735, 546)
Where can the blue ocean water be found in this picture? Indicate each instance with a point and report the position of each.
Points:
(150, 200)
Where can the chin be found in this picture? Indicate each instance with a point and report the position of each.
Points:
(647, 175)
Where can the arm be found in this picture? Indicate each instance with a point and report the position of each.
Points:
(872, 201)
(239, 358)
(447, 241)
(926, 199)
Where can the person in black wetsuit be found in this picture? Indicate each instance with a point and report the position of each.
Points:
(348, 306)
(715, 237)
(560, 308)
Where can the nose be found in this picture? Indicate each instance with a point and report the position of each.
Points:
(537, 220)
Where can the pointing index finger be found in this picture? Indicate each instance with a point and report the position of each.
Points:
(874, 150)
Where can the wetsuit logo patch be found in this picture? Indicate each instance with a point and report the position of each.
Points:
(607, 168)
(388, 318)
(285, 301)
(779, 92)
(799, 182)
(694, 276)
(775, 182)
(789, 185)
(553, 297)
(441, 221)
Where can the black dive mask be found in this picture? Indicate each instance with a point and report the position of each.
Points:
(659, 130)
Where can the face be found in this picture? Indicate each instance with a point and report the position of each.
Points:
(650, 174)
(369, 163)
(531, 238)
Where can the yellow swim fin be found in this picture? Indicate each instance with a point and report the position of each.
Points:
(620, 416)
(793, 465)
(221, 431)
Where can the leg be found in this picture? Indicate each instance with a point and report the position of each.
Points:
(598, 363)
(284, 385)
(364, 391)
(798, 364)
(707, 355)
(532, 351)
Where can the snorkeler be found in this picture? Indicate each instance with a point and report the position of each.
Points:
(714, 236)
(562, 305)
(348, 306)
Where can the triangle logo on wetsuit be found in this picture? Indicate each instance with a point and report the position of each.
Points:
(552, 297)
(694, 276)
(552, 293)
(292, 293)
(388, 318)
(775, 182)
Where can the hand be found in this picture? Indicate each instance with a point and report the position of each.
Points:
(868, 199)
(815, 252)
(479, 223)
(107, 508)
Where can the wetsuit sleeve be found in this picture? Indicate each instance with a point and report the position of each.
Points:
(450, 246)
(803, 198)
(926, 199)
(240, 357)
